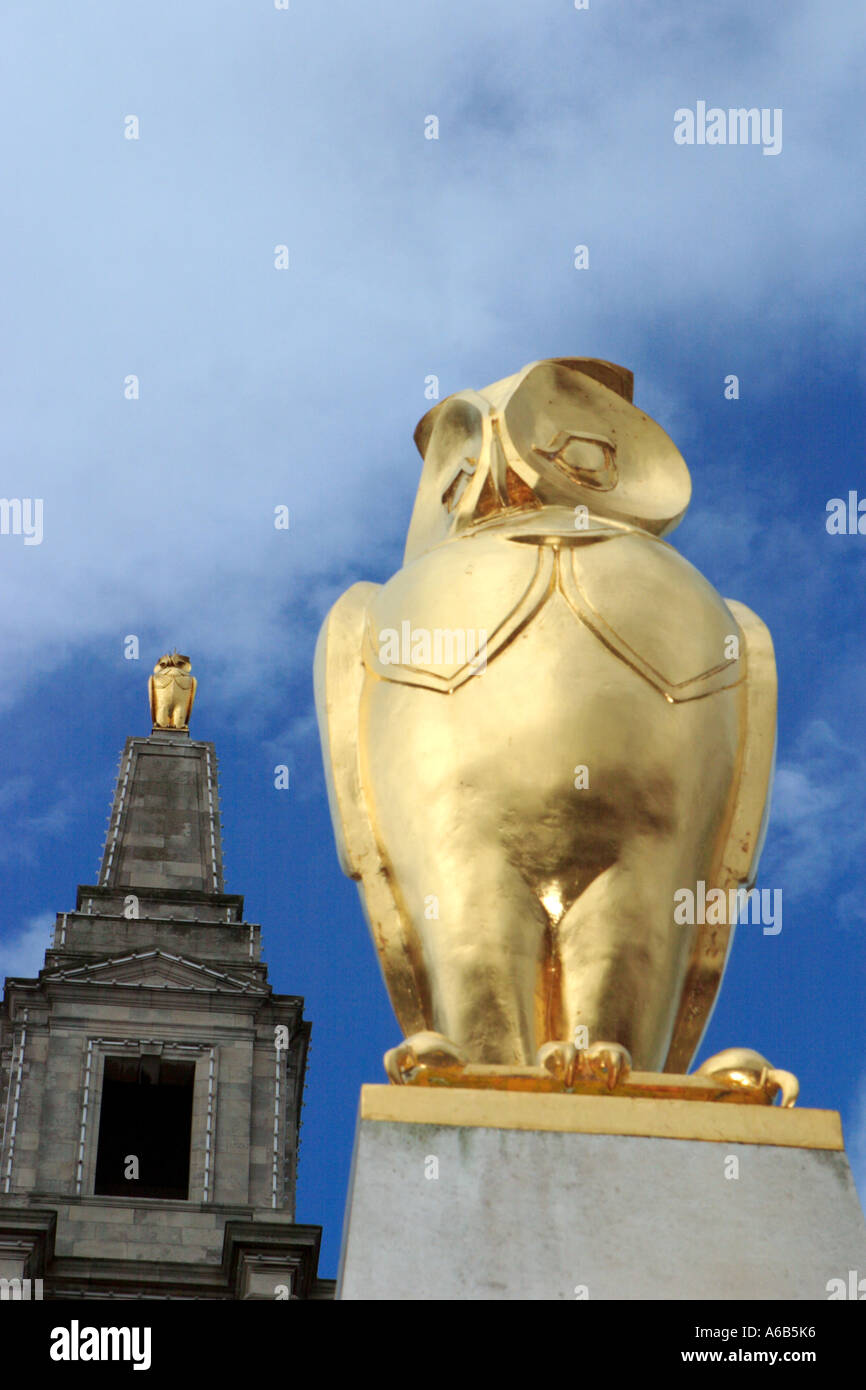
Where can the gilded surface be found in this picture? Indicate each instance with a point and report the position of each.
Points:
(171, 689)
(661, 1117)
(541, 729)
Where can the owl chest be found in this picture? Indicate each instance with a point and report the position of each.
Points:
(451, 617)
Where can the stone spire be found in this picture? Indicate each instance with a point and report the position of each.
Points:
(164, 830)
(155, 1078)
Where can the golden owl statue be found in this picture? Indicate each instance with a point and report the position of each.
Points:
(539, 731)
(172, 690)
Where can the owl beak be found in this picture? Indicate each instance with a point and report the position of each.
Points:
(498, 481)
(503, 481)
(498, 465)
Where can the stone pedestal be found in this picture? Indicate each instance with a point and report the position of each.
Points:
(462, 1194)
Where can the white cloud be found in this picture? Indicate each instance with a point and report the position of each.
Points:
(22, 832)
(408, 256)
(855, 1140)
(297, 747)
(818, 835)
(24, 953)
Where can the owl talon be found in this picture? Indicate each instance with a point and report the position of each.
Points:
(422, 1050)
(743, 1069)
(787, 1083)
(604, 1061)
(559, 1058)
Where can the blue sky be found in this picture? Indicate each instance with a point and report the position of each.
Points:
(258, 387)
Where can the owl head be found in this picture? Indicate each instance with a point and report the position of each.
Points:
(172, 661)
(558, 434)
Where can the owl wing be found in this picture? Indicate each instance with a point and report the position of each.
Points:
(151, 690)
(193, 686)
(339, 677)
(738, 863)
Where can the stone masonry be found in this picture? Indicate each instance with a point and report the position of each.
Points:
(157, 966)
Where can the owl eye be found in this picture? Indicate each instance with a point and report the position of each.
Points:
(456, 488)
(587, 459)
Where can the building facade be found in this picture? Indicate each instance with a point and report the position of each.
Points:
(150, 1080)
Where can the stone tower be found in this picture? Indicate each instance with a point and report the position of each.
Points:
(150, 1079)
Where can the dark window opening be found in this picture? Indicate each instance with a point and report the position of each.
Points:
(144, 1128)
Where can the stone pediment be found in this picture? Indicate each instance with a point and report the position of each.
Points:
(154, 970)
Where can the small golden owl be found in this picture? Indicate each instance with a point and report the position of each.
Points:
(172, 691)
(543, 728)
